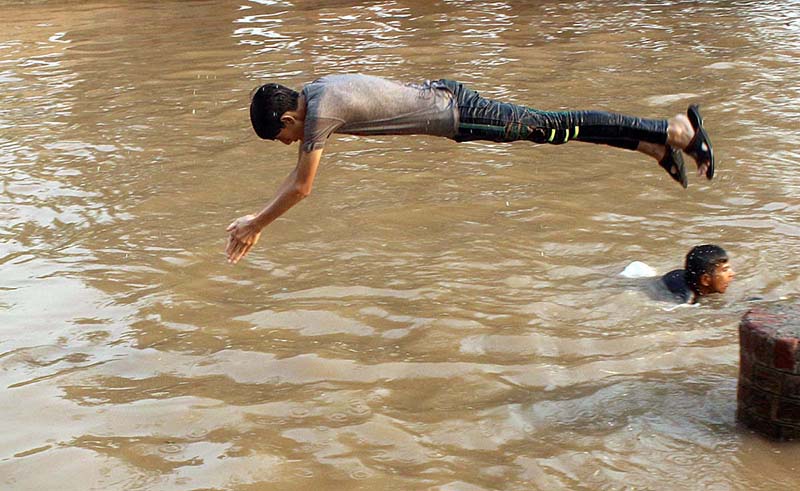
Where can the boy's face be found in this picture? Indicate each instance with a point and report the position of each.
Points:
(722, 276)
(292, 130)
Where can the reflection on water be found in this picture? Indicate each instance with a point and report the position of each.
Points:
(435, 316)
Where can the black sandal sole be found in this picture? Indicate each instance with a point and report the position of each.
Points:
(700, 147)
(673, 164)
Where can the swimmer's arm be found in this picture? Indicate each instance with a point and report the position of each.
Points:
(245, 231)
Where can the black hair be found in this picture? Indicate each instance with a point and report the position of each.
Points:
(267, 105)
(703, 259)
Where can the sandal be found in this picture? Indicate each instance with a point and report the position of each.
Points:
(673, 164)
(700, 147)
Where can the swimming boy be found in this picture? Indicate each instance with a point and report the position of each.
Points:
(367, 105)
(707, 270)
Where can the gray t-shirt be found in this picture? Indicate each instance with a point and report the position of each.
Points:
(368, 105)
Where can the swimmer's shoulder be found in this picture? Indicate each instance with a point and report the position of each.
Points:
(675, 282)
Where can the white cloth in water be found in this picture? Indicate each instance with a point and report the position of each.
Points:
(638, 269)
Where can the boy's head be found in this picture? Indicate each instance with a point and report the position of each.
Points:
(267, 108)
(708, 270)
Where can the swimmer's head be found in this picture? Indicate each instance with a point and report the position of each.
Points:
(708, 270)
(268, 107)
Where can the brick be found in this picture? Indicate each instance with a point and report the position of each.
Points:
(756, 401)
(789, 432)
(745, 367)
(760, 326)
(767, 379)
(770, 429)
(759, 425)
(788, 411)
(769, 373)
(791, 387)
(745, 339)
(764, 350)
(785, 354)
(760, 321)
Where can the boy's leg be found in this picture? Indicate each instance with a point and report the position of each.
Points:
(658, 138)
(486, 119)
(557, 127)
(624, 143)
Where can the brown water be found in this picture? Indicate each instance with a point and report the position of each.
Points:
(435, 316)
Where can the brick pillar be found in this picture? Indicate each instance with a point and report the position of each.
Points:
(769, 370)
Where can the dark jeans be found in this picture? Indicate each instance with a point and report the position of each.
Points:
(485, 119)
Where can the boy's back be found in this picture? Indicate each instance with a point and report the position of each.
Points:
(365, 105)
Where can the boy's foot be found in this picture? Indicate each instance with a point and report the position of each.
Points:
(672, 162)
(700, 147)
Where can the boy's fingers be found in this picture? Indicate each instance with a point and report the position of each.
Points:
(242, 251)
(234, 248)
(237, 247)
(245, 250)
(233, 255)
(237, 257)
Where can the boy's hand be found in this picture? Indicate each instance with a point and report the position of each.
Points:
(244, 234)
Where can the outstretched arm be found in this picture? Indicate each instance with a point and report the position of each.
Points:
(245, 231)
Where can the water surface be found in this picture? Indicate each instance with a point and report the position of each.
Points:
(435, 316)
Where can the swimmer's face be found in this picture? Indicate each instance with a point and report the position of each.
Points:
(722, 276)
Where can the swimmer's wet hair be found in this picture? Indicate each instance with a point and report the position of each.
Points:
(267, 105)
(703, 259)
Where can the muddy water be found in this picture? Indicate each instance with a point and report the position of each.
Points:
(435, 316)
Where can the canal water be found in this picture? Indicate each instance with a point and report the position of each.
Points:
(434, 316)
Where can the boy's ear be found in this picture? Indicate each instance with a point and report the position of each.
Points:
(286, 119)
(705, 279)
